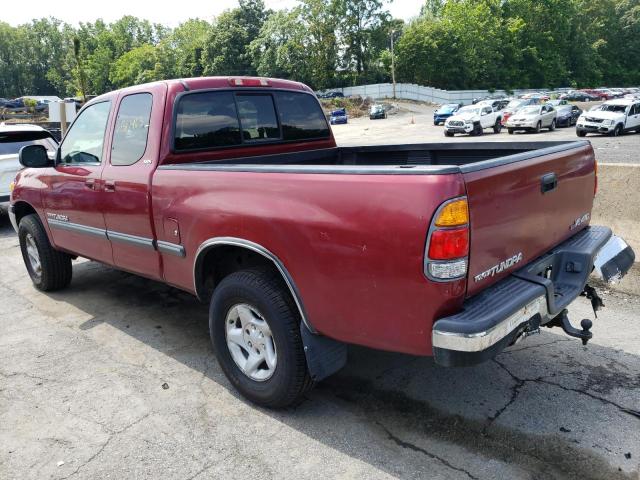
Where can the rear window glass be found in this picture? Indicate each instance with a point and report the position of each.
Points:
(132, 128)
(257, 118)
(220, 119)
(206, 120)
(301, 116)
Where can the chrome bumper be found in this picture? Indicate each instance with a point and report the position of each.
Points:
(496, 317)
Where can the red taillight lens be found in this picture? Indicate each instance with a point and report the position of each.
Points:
(449, 244)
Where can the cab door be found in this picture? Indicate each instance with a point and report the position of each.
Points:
(132, 158)
(633, 119)
(72, 199)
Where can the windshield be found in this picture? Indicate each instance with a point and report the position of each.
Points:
(514, 104)
(8, 147)
(563, 109)
(447, 108)
(531, 110)
(613, 108)
(469, 111)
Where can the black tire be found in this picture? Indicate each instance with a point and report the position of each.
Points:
(477, 130)
(617, 131)
(265, 291)
(55, 267)
(448, 134)
(510, 130)
(538, 127)
(552, 127)
(581, 133)
(497, 127)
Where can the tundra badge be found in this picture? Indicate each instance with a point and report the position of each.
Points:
(508, 263)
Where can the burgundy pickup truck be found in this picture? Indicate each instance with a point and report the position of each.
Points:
(233, 189)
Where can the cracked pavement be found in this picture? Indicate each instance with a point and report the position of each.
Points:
(81, 396)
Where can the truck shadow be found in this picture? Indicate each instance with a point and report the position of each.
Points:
(547, 406)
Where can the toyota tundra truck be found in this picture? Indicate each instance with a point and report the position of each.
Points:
(233, 189)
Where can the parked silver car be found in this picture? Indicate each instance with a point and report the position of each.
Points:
(533, 118)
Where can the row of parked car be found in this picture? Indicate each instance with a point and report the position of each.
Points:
(535, 112)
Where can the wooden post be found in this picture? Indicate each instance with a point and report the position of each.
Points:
(63, 118)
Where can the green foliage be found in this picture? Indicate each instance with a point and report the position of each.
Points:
(522, 44)
(452, 44)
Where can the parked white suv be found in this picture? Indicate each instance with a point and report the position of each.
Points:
(12, 139)
(473, 119)
(613, 117)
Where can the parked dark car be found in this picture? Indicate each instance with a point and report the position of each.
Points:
(338, 116)
(377, 111)
(17, 104)
(331, 95)
(579, 97)
(444, 112)
(567, 115)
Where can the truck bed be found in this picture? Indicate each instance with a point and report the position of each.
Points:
(443, 158)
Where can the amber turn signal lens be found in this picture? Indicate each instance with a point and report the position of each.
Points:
(453, 214)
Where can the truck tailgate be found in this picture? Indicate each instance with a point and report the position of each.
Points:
(513, 219)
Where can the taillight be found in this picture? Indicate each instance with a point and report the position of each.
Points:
(448, 243)
(595, 186)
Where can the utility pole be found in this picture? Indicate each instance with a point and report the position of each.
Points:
(393, 66)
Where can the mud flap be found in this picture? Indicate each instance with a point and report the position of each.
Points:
(325, 356)
(614, 260)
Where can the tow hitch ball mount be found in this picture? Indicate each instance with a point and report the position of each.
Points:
(562, 320)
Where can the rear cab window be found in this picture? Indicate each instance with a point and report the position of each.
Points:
(218, 119)
(131, 129)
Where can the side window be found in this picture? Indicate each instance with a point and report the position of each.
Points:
(206, 120)
(486, 110)
(301, 116)
(257, 117)
(132, 127)
(83, 143)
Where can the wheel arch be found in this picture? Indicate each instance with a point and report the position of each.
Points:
(219, 256)
(21, 209)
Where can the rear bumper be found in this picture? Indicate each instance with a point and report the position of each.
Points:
(495, 318)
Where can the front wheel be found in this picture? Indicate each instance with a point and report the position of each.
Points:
(497, 127)
(255, 331)
(510, 130)
(448, 134)
(538, 127)
(581, 133)
(617, 131)
(48, 268)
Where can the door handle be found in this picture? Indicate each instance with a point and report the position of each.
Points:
(90, 183)
(110, 186)
(548, 182)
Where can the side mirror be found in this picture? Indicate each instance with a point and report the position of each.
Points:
(34, 156)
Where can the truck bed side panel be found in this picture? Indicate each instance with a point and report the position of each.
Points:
(354, 244)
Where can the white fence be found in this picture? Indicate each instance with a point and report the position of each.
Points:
(410, 91)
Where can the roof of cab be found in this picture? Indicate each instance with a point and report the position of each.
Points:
(202, 83)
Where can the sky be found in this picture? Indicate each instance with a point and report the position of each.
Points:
(156, 11)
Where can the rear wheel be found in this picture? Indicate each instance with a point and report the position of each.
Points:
(48, 268)
(497, 127)
(255, 331)
(552, 127)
